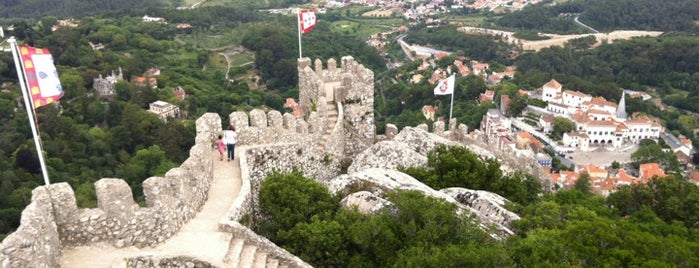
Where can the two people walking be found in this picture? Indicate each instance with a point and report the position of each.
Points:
(226, 142)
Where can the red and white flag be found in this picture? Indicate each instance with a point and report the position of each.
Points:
(41, 74)
(307, 20)
(445, 87)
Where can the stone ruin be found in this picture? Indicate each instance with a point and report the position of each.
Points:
(337, 125)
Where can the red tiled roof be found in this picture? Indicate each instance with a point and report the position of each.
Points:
(651, 169)
(553, 84)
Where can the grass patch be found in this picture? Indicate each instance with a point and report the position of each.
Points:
(461, 20)
(531, 36)
(364, 28)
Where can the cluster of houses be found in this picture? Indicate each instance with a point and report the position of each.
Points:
(105, 88)
(464, 67)
(597, 122)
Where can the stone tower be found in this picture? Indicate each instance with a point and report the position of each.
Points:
(350, 88)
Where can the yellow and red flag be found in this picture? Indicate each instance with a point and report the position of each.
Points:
(42, 77)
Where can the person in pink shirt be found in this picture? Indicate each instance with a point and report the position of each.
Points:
(221, 146)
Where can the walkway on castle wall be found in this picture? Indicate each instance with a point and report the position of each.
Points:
(198, 238)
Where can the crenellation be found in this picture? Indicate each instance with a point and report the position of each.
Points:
(289, 121)
(114, 196)
(438, 128)
(332, 65)
(207, 127)
(391, 131)
(239, 120)
(423, 127)
(314, 123)
(318, 66)
(64, 203)
(258, 118)
(275, 119)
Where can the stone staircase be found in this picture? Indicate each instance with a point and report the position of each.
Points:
(243, 255)
(332, 120)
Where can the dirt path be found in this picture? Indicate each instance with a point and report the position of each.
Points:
(198, 238)
(558, 40)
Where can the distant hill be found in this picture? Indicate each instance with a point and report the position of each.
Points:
(606, 16)
(72, 8)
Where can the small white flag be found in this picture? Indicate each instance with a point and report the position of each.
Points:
(307, 19)
(445, 87)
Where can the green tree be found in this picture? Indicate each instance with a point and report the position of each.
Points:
(290, 199)
(561, 125)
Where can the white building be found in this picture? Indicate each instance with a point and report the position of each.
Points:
(551, 90)
(575, 98)
(601, 121)
(165, 110)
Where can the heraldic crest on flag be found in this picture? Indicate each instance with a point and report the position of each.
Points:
(307, 18)
(445, 87)
(41, 74)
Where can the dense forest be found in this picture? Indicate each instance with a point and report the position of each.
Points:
(603, 15)
(644, 225)
(71, 8)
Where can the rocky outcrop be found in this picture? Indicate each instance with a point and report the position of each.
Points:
(365, 186)
(365, 202)
(388, 155)
(491, 205)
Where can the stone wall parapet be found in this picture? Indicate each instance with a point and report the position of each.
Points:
(52, 221)
(258, 127)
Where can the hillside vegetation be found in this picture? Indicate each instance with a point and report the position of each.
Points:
(606, 16)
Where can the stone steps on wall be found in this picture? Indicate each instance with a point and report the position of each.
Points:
(332, 119)
(247, 257)
(243, 255)
(234, 250)
(272, 263)
(260, 260)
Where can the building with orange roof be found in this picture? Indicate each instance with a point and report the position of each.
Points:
(504, 103)
(596, 172)
(623, 178)
(179, 92)
(463, 69)
(649, 170)
(523, 139)
(693, 177)
(479, 68)
(488, 95)
(604, 187)
(550, 90)
(428, 111)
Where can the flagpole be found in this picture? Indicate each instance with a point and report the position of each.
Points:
(298, 27)
(29, 106)
(451, 107)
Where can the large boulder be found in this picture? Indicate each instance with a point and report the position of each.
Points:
(375, 182)
(491, 205)
(365, 202)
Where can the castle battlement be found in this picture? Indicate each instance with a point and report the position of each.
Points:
(52, 221)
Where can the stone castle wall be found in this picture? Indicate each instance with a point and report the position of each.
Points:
(52, 221)
(352, 86)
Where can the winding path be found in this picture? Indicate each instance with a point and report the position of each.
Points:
(199, 238)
